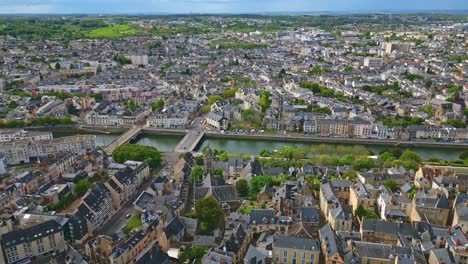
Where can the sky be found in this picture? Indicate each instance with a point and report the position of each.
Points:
(219, 6)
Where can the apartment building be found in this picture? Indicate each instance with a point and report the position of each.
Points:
(34, 242)
(295, 250)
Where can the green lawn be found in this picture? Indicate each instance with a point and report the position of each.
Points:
(133, 223)
(112, 31)
(245, 209)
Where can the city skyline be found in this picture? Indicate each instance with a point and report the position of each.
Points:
(219, 6)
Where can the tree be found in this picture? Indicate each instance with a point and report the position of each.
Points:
(192, 253)
(157, 105)
(362, 163)
(208, 212)
(365, 212)
(264, 100)
(218, 172)
(82, 187)
(391, 184)
(265, 153)
(72, 66)
(57, 66)
(199, 161)
(148, 154)
(464, 155)
(350, 175)
(242, 187)
(347, 159)
(386, 156)
(197, 173)
(224, 157)
(258, 182)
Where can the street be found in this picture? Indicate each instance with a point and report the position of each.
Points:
(119, 220)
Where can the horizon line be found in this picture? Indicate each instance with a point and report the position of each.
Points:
(162, 13)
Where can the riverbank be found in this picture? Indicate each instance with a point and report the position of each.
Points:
(331, 140)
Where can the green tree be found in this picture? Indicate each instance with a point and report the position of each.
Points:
(82, 187)
(347, 159)
(258, 182)
(148, 154)
(391, 184)
(192, 253)
(350, 175)
(72, 66)
(242, 187)
(97, 96)
(264, 100)
(199, 161)
(157, 105)
(57, 66)
(208, 212)
(218, 172)
(197, 173)
(363, 163)
(365, 212)
(224, 157)
(265, 153)
(464, 155)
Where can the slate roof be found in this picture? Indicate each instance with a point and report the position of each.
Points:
(262, 216)
(310, 215)
(153, 255)
(444, 255)
(384, 227)
(30, 234)
(174, 227)
(296, 243)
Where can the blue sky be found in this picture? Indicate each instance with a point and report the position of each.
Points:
(220, 6)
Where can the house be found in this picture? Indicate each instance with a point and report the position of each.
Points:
(328, 198)
(331, 246)
(441, 255)
(254, 255)
(366, 252)
(380, 231)
(216, 121)
(425, 175)
(340, 218)
(434, 210)
(460, 212)
(364, 196)
(218, 256)
(295, 250)
(178, 230)
(33, 243)
(237, 243)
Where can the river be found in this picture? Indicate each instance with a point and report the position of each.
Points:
(252, 147)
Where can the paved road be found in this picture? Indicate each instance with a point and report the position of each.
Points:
(119, 220)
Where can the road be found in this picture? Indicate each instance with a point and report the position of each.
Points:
(119, 220)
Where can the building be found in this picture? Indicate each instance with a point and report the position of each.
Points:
(3, 165)
(216, 121)
(373, 62)
(295, 250)
(36, 242)
(22, 151)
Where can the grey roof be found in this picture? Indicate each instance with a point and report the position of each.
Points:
(444, 255)
(262, 216)
(384, 227)
(153, 255)
(327, 237)
(32, 233)
(310, 215)
(379, 251)
(175, 227)
(254, 256)
(296, 243)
